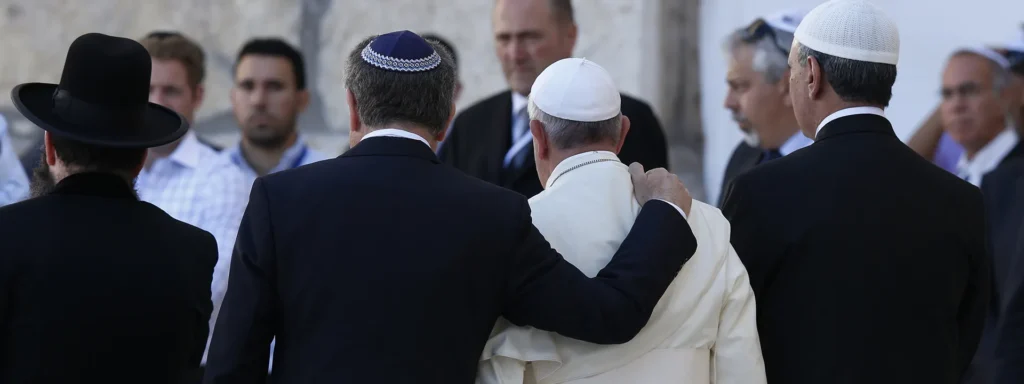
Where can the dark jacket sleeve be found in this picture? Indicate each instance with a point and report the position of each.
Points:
(208, 259)
(1009, 348)
(756, 247)
(549, 293)
(240, 350)
(975, 302)
(645, 143)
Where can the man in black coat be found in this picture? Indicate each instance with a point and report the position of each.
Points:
(386, 266)
(491, 140)
(868, 262)
(95, 285)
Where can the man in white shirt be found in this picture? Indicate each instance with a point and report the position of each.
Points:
(975, 110)
(758, 97)
(186, 178)
(703, 329)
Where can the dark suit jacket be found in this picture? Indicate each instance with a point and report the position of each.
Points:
(98, 287)
(394, 269)
(482, 134)
(743, 158)
(1007, 365)
(867, 261)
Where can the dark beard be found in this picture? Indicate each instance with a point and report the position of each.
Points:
(42, 180)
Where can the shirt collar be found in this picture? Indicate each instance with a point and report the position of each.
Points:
(849, 112)
(795, 142)
(988, 158)
(188, 151)
(518, 103)
(392, 132)
(291, 156)
(579, 160)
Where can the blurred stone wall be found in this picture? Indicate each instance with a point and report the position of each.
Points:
(647, 45)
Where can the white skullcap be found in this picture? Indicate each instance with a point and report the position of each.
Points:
(987, 53)
(786, 20)
(851, 29)
(576, 89)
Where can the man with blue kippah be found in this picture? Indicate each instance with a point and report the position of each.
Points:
(386, 266)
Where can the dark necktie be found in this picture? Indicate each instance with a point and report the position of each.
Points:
(769, 155)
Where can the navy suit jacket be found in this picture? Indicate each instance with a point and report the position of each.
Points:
(386, 266)
(868, 262)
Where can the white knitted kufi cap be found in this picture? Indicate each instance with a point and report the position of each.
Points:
(987, 53)
(851, 29)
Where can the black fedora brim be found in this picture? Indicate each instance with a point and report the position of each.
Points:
(161, 124)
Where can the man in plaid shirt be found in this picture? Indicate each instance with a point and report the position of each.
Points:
(188, 179)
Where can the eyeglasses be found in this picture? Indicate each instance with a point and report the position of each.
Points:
(760, 29)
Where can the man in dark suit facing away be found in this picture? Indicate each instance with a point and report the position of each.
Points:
(868, 262)
(491, 140)
(95, 285)
(386, 266)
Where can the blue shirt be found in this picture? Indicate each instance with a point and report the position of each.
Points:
(14, 185)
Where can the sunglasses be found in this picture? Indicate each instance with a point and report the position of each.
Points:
(760, 29)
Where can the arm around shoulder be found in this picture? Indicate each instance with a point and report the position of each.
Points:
(549, 293)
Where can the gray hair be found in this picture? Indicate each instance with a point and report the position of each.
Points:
(568, 134)
(389, 97)
(854, 81)
(768, 60)
(1000, 75)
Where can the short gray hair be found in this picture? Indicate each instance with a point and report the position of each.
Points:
(1000, 75)
(768, 60)
(568, 134)
(389, 97)
(853, 80)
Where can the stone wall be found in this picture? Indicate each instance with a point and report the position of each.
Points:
(643, 43)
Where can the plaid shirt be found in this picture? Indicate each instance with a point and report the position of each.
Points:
(297, 155)
(13, 182)
(198, 186)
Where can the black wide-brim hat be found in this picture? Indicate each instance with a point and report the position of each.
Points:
(102, 98)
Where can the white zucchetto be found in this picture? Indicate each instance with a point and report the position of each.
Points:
(851, 29)
(578, 90)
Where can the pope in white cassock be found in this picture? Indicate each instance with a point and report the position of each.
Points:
(703, 329)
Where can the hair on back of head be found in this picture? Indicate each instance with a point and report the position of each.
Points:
(387, 97)
(276, 47)
(853, 80)
(170, 45)
(88, 157)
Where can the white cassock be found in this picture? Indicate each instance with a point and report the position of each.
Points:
(702, 331)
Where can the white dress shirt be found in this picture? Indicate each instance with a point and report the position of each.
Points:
(988, 158)
(795, 142)
(703, 329)
(14, 184)
(198, 186)
(848, 112)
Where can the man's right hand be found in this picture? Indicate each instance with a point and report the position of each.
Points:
(659, 184)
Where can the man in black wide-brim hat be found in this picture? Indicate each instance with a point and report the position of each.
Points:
(95, 285)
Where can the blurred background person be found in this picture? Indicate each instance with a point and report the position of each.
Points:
(268, 95)
(491, 139)
(187, 178)
(758, 97)
(975, 110)
(13, 181)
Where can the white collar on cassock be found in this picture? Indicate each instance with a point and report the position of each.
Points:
(393, 132)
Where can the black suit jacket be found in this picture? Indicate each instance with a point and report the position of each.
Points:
(482, 134)
(867, 261)
(1007, 364)
(743, 158)
(98, 287)
(394, 269)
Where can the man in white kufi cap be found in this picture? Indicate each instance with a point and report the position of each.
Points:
(758, 97)
(703, 329)
(868, 262)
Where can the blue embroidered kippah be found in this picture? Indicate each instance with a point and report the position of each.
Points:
(401, 51)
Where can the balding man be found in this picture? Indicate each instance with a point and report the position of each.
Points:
(758, 97)
(868, 261)
(491, 139)
(703, 327)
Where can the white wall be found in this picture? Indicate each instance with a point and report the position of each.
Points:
(929, 31)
